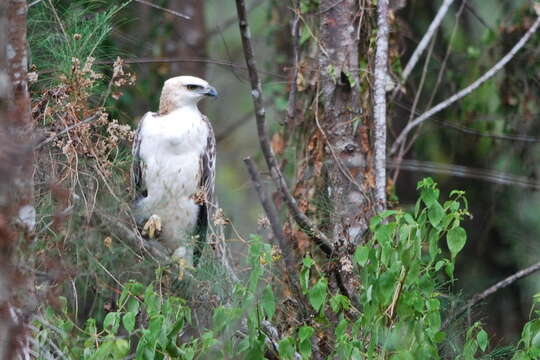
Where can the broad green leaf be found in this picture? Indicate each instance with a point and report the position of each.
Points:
(429, 196)
(317, 294)
(305, 333)
(112, 322)
(268, 302)
(435, 214)
(482, 339)
(120, 349)
(456, 239)
(286, 348)
(129, 321)
(361, 255)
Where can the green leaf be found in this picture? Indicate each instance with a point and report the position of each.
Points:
(120, 349)
(305, 333)
(111, 322)
(286, 348)
(482, 339)
(268, 302)
(317, 294)
(440, 264)
(429, 195)
(456, 239)
(361, 255)
(435, 214)
(129, 321)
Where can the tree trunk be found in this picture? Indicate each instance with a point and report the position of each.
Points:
(15, 169)
(347, 149)
(188, 38)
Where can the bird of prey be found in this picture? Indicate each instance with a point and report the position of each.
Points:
(173, 170)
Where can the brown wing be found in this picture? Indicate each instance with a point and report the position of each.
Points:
(207, 178)
(137, 166)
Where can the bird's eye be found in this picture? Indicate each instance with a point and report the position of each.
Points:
(193, 87)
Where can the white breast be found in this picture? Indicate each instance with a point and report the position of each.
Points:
(170, 150)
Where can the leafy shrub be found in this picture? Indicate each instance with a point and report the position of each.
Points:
(400, 274)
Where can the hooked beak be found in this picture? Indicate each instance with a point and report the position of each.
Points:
(211, 92)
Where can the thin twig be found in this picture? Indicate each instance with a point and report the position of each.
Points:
(469, 89)
(270, 211)
(291, 262)
(34, 3)
(508, 137)
(425, 39)
(295, 31)
(229, 129)
(379, 112)
(492, 176)
(165, 60)
(491, 290)
(232, 20)
(175, 13)
(256, 93)
(65, 130)
(404, 148)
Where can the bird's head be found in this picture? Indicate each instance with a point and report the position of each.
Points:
(184, 91)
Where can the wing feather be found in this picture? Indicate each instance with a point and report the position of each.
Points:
(137, 167)
(207, 175)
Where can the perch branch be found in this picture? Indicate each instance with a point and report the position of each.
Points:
(493, 289)
(381, 65)
(469, 89)
(256, 93)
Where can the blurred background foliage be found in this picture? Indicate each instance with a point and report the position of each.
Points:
(494, 128)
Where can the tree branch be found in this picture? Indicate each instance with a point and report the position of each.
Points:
(469, 89)
(271, 212)
(381, 76)
(173, 12)
(425, 39)
(256, 93)
(491, 290)
(60, 133)
(492, 176)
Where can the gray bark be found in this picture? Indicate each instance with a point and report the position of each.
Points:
(347, 147)
(15, 168)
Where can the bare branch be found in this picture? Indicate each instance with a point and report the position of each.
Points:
(291, 103)
(233, 19)
(508, 137)
(256, 92)
(492, 176)
(425, 39)
(271, 212)
(469, 89)
(381, 76)
(491, 290)
(162, 60)
(71, 127)
(175, 13)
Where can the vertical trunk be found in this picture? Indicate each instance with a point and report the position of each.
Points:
(15, 165)
(347, 150)
(188, 38)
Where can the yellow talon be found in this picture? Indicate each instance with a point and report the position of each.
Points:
(152, 228)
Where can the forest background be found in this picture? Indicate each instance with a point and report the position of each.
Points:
(486, 144)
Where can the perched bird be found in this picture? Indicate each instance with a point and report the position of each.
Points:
(173, 170)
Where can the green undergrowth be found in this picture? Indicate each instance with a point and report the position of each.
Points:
(404, 275)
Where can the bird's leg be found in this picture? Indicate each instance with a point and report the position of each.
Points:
(152, 227)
